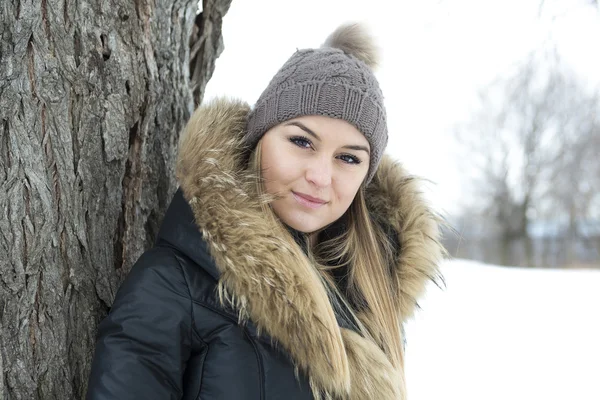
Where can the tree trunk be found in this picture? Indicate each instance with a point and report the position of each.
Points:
(93, 95)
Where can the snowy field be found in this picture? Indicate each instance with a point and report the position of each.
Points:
(501, 333)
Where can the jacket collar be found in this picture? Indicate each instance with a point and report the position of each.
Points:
(179, 230)
(271, 282)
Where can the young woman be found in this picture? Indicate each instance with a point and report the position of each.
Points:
(289, 258)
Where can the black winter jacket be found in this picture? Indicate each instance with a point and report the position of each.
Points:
(223, 308)
(167, 336)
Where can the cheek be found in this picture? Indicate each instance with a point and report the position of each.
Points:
(348, 195)
(278, 168)
(346, 192)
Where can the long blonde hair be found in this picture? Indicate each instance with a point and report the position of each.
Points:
(365, 249)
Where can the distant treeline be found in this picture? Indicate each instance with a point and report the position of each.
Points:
(542, 252)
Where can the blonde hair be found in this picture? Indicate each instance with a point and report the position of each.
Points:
(365, 249)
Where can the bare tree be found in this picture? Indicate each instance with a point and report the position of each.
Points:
(574, 189)
(93, 94)
(575, 179)
(525, 145)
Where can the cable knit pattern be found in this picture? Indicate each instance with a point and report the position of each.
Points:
(328, 82)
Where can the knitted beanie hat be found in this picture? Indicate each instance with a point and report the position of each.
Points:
(336, 81)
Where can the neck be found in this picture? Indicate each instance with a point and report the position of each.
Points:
(312, 239)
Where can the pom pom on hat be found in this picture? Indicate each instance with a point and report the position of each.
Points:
(354, 39)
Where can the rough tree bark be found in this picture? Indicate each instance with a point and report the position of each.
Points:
(93, 95)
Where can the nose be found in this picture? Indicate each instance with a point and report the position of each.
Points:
(318, 172)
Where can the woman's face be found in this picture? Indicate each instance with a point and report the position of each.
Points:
(316, 164)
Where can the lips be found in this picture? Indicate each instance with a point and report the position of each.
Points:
(308, 201)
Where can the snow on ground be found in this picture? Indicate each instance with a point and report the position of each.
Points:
(506, 333)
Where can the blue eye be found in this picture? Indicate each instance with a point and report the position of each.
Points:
(301, 141)
(305, 143)
(349, 159)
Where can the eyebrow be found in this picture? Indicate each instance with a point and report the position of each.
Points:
(353, 147)
(304, 128)
(312, 133)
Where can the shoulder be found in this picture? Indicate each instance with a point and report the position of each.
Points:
(172, 269)
(157, 273)
(167, 268)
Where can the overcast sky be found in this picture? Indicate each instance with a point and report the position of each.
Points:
(435, 56)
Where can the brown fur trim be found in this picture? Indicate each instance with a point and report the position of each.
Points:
(372, 374)
(395, 197)
(268, 279)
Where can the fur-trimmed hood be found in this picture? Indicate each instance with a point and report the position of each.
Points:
(271, 282)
